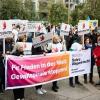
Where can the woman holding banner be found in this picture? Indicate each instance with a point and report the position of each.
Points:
(37, 51)
(18, 93)
(55, 46)
(76, 46)
(88, 45)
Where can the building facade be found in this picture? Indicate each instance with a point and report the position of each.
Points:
(42, 6)
(73, 3)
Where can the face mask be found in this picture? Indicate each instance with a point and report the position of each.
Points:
(88, 45)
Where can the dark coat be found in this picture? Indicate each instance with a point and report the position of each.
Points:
(2, 69)
(17, 53)
(92, 56)
(37, 51)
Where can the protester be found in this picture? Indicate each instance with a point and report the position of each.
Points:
(2, 70)
(15, 32)
(29, 37)
(57, 30)
(8, 45)
(69, 40)
(76, 46)
(52, 29)
(93, 37)
(48, 28)
(73, 43)
(96, 53)
(88, 45)
(55, 46)
(18, 93)
(22, 38)
(37, 51)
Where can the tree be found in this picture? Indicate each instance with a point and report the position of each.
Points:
(29, 10)
(58, 14)
(76, 14)
(90, 8)
(10, 9)
(44, 7)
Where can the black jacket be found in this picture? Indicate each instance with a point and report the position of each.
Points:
(17, 53)
(37, 51)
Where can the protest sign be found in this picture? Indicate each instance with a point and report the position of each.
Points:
(83, 27)
(80, 62)
(36, 27)
(42, 40)
(65, 28)
(92, 23)
(28, 71)
(5, 26)
(21, 23)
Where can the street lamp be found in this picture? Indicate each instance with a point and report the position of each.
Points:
(55, 1)
(68, 11)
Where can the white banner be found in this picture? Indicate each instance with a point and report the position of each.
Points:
(36, 27)
(6, 27)
(80, 62)
(21, 23)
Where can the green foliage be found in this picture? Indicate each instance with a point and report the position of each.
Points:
(91, 8)
(16, 9)
(76, 14)
(58, 14)
(29, 10)
(7, 7)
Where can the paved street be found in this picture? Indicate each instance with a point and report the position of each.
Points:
(85, 92)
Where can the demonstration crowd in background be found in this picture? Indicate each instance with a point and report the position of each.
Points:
(72, 42)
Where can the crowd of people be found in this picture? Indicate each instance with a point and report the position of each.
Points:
(73, 42)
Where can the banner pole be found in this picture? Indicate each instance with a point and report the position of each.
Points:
(83, 40)
(4, 45)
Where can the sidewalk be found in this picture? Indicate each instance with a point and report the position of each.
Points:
(85, 92)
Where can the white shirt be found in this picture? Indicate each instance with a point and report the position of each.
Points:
(55, 47)
(76, 46)
(15, 32)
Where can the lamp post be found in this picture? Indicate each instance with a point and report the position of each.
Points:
(68, 11)
(55, 1)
